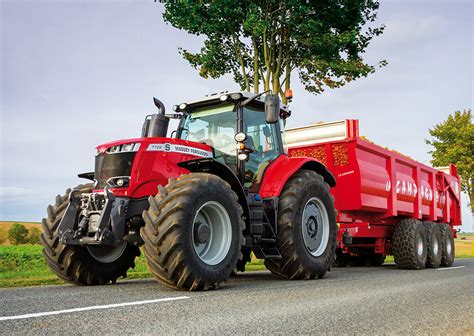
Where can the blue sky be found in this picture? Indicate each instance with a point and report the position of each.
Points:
(75, 74)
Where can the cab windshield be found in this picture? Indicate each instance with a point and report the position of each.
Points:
(215, 127)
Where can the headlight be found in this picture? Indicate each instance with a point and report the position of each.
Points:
(130, 147)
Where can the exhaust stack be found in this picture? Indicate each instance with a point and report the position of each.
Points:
(156, 125)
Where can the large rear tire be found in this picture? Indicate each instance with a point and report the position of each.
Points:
(433, 240)
(82, 265)
(409, 244)
(193, 232)
(447, 245)
(307, 228)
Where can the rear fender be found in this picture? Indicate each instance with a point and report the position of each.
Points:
(284, 167)
(212, 166)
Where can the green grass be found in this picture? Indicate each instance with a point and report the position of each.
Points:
(24, 265)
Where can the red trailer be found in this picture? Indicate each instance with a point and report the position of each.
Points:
(387, 203)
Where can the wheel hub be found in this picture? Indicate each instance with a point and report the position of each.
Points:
(212, 233)
(311, 227)
(202, 232)
(315, 227)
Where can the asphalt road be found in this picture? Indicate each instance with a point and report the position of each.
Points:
(351, 300)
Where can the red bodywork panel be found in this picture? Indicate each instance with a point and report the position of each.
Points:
(279, 172)
(155, 163)
(376, 187)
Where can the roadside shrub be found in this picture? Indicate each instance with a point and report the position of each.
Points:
(34, 236)
(18, 234)
(3, 236)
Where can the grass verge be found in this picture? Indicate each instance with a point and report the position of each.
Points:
(24, 265)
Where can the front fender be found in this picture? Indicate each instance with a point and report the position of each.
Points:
(212, 166)
(284, 167)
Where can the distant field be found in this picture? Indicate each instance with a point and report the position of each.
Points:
(6, 226)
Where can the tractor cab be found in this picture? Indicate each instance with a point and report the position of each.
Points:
(217, 120)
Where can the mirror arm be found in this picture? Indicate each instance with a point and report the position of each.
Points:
(251, 99)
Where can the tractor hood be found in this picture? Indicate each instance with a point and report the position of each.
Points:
(144, 163)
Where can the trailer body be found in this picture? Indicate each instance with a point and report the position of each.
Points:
(376, 187)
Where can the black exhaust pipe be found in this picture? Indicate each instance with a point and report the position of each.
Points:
(156, 125)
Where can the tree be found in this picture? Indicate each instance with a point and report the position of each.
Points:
(3, 236)
(454, 143)
(18, 234)
(263, 42)
(34, 236)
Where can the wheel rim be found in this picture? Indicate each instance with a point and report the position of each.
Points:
(419, 245)
(435, 245)
(107, 254)
(315, 227)
(448, 246)
(212, 233)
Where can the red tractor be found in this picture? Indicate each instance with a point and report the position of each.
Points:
(198, 203)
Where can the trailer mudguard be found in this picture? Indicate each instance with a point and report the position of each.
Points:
(211, 166)
(284, 167)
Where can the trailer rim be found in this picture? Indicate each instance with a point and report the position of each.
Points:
(448, 246)
(212, 233)
(435, 245)
(419, 245)
(315, 227)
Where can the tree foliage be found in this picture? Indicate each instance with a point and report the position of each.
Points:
(3, 236)
(18, 234)
(263, 42)
(453, 142)
(34, 236)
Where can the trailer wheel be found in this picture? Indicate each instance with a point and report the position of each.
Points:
(433, 239)
(193, 232)
(307, 228)
(409, 244)
(447, 245)
(82, 265)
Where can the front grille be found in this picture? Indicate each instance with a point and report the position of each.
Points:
(110, 165)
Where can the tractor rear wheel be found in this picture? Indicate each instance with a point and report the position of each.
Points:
(447, 245)
(193, 232)
(433, 239)
(82, 265)
(307, 228)
(409, 244)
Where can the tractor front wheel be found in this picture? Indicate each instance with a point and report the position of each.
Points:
(82, 265)
(193, 232)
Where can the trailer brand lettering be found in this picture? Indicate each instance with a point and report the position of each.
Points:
(406, 188)
(167, 147)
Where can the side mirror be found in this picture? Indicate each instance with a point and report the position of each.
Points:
(272, 108)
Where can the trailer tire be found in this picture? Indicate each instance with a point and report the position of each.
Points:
(75, 264)
(447, 245)
(305, 201)
(179, 253)
(433, 239)
(409, 244)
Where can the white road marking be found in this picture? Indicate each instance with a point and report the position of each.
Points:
(74, 310)
(449, 268)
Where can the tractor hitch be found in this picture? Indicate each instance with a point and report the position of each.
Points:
(93, 219)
